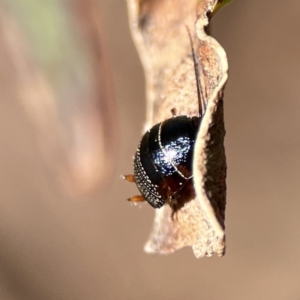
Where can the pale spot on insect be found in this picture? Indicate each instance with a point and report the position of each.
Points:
(170, 154)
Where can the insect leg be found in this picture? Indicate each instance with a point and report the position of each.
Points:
(138, 198)
(174, 112)
(129, 178)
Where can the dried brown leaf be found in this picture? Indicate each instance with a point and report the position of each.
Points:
(158, 28)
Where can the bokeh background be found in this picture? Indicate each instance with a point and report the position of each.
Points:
(58, 239)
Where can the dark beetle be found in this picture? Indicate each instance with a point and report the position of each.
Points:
(163, 161)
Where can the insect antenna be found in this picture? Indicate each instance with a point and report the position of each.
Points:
(201, 103)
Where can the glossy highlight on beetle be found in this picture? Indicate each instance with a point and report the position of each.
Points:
(163, 161)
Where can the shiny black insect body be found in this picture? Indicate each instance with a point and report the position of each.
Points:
(163, 161)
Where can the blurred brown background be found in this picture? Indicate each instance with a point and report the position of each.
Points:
(55, 246)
